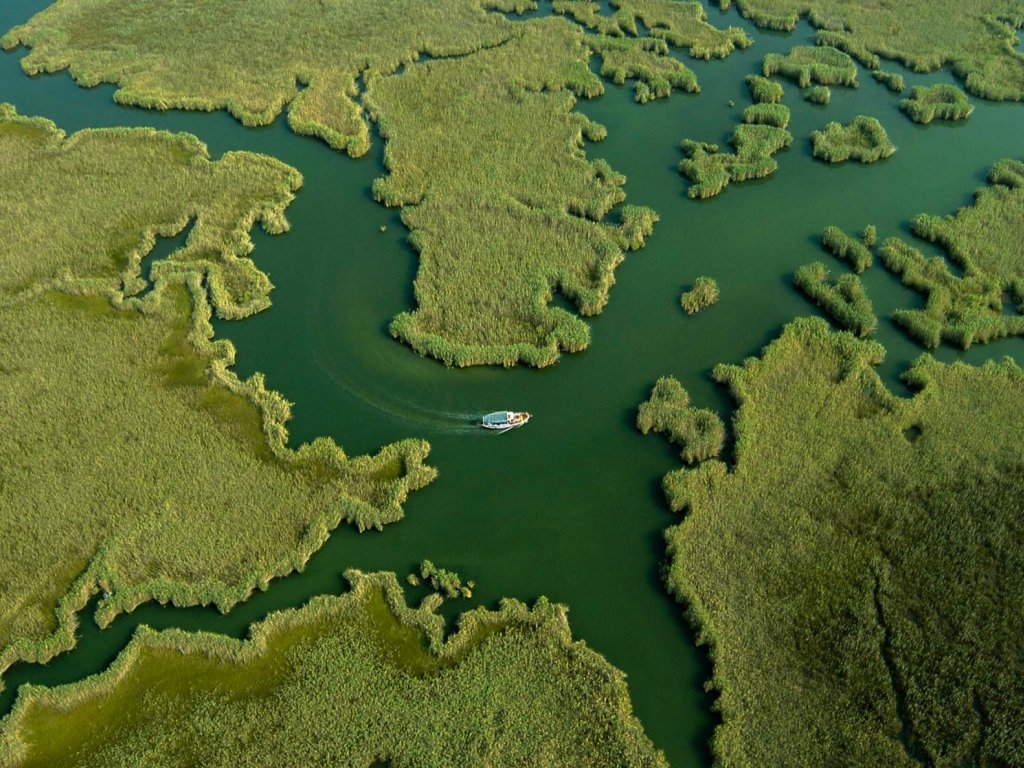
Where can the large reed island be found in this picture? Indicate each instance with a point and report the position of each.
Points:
(982, 239)
(977, 40)
(807, 65)
(135, 462)
(857, 572)
(360, 679)
(937, 102)
(864, 139)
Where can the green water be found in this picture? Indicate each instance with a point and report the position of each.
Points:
(571, 506)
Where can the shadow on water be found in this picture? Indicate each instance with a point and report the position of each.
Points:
(570, 507)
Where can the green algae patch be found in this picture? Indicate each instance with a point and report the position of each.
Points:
(978, 41)
(351, 680)
(136, 463)
(864, 140)
(982, 239)
(936, 102)
(856, 570)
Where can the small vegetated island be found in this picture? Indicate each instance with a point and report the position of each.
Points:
(359, 680)
(856, 570)
(484, 152)
(864, 139)
(937, 102)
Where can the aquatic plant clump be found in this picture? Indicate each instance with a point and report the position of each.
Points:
(864, 139)
(978, 41)
(646, 61)
(484, 155)
(818, 94)
(136, 463)
(763, 90)
(844, 300)
(767, 114)
(349, 680)
(857, 575)
(711, 171)
(936, 102)
(891, 80)
(698, 432)
(810, 64)
(983, 240)
(703, 295)
(443, 581)
(856, 253)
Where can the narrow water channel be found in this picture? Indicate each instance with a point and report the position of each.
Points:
(570, 507)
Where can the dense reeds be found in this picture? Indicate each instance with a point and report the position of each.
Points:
(646, 61)
(698, 432)
(856, 573)
(849, 249)
(763, 90)
(844, 300)
(864, 139)
(136, 462)
(810, 64)
(891, 80)
(352, 680)
(702, 295)
(982, 239)
(937, 102)
(711, 171)
(818, 94)
(977, 40)
(442, 581)
(767, 114)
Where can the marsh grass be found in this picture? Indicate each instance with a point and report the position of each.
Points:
(704, 294)
(807, 65)
(344, 680)
(711, 171)
(977, 39)
(857, 573)
(984, 240)
(941, 101)
(818, 94)
(698, 432)
(855, 252)
(844, 300)
(864, 139)
(891, 80)
(764, 91)
(767, 114)
(151, 470)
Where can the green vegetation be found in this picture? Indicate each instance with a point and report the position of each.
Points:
(809, 64)
(763, 90)
(767, 114)
(891, 80)
(681, 23)
(983, 239)
(646, 61)
(135, 462)
(710, 171)
(845, 300)
(703, 295)
(442, 581)
(977, 39)
(698, 432)
(849, 249)
(857, 573)
(471, 147)
(350, 680)
(818, 94)
(942, 102)
(864, 139)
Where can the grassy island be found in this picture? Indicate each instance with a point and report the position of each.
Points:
(844, 300)
(864, 139)
(937, 102)
(978, 41)
(763, 90)
(135, 462)
(711, 171)
(891, 80)
(807, 65)
(856, 571)
(818, 94)
(983, 240)
(360, 679)
(849, 249)
(703, 295)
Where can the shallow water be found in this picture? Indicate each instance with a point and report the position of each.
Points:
(571, 506)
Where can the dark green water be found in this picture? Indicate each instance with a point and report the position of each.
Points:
(571, 506)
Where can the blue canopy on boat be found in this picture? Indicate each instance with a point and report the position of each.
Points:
(498, 417)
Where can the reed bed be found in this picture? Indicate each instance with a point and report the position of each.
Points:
(983, 240)
(763, 90)
(646, 61)
(936, 102)
(818, 94)
(891, 80)
(485, 156)
(808, 64)
(350, 680)
(698, 432)
(704, 294)
(864, 139)
(856, 572)
(711, 171)
(855, 252)
(136, 462)
(978, 40)
(844, 300)
(767, 114)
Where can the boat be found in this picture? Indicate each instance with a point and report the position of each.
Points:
(504, 420)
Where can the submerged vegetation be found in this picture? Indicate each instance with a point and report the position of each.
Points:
(857, 572)
(151, 472)
(350, 680)
(844, 300)
(703, 295)
(813, 64)
(977, 40)
(864, 139)
(937, 102)
(982, 239)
